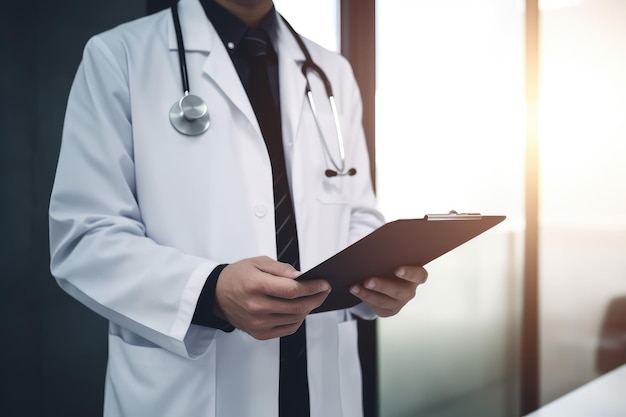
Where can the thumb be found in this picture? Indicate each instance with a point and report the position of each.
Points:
(279, 269)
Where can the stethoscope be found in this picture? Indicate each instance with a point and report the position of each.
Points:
(190, 115)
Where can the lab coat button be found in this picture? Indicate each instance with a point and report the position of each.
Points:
(260, 210)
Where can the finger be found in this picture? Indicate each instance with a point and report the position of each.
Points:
(398, 289)
(276, 325)
(416, 274)
(258, 309)
(274, 332)
(290, 289)
(299, 306)
(380, 303)
(279, 269)
(258, 321)
(269, 321)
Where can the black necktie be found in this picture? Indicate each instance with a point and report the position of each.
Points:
(294, 386)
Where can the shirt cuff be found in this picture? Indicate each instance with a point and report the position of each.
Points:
(204, 315)
(362, 311)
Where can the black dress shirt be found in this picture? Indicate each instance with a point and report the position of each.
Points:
(231, 31)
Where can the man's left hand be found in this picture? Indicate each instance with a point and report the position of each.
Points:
(387, 296)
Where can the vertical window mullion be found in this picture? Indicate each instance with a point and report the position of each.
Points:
(530, 321)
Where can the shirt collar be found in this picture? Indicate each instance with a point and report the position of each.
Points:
(231, 29)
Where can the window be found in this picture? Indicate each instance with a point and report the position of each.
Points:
(451, 135)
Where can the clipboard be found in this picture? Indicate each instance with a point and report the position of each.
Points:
(397, 243)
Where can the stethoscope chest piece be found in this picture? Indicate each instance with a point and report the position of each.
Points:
(190, 115)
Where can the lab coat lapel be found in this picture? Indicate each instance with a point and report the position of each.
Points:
(200, 36)
(219, 67)
(292, 82)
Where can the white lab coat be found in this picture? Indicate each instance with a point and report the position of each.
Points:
(140, 215)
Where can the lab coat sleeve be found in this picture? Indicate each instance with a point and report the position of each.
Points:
(99, 250)
(365, 217)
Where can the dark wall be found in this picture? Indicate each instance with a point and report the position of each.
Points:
(53, 349)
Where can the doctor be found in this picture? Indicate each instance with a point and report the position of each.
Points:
(166, 225)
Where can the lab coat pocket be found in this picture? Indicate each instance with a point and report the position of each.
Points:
(350, 370)
(149, 375)
(330, 225)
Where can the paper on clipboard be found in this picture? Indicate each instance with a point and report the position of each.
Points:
(397, 243)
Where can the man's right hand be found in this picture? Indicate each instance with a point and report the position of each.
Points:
(262, 297)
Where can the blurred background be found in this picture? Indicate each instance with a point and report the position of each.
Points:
(494, 106)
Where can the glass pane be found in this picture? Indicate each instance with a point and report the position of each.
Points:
(450, 135)
(582, 134)
(317, 20)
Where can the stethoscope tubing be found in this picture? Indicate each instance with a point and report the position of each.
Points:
(182, 61)
(307, 66)
(189, 115)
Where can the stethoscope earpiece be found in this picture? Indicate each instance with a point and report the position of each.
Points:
(331, 173)
(190, 115)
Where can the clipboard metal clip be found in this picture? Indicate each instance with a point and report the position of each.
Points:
(454, 215)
